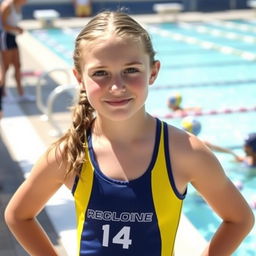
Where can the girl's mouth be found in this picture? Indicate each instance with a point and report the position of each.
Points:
(119, 102)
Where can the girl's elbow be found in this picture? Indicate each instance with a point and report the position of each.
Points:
(248, 221)
(9, 217)
(251, 220)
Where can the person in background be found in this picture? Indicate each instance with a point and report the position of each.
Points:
(10, 13)
(174, 104)
(1, 92)
(83, 8)
(192, 125)
(250, 150)
(128, 171)
(1, 99)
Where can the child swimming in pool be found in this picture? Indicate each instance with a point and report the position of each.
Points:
(127, 170)
(174, 104)
(250, 150)
(192, 125)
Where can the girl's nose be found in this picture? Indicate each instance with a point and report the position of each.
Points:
(117, 86)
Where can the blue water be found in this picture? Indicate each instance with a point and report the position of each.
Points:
(207, 79)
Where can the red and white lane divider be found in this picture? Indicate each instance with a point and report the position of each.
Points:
(35, 73)
(225, 111)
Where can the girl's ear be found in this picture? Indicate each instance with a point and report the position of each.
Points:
(77, 76)
(154, 72)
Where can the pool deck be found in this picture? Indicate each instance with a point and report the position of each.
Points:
(24, 136)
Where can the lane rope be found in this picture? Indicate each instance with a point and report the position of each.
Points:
(219, 33)
(204, 84)
(235, 26)
(249, 56)
(35, 73)
(181, 114)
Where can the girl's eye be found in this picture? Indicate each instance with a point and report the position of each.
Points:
(100, 73)
(131, 70)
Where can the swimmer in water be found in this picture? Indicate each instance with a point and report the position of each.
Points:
(192, 125)
(174, 104)
(250, 150)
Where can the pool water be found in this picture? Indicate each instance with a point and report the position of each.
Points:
(211, 79)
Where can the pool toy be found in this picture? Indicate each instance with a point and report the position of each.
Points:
(175, 99)
(190, 124)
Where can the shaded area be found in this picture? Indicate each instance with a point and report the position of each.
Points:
(10, 178)
(61, 105)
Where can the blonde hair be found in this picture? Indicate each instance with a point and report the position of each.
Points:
(120, 24)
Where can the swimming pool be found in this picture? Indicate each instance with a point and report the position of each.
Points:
(211, 70)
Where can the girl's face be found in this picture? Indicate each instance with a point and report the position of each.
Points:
(116, 73)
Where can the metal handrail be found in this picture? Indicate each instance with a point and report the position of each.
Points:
(39, 99)
(50, 102)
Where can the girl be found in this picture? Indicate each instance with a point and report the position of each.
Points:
(10, 13)
(127, 170)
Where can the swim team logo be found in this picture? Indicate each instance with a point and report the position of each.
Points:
(121, 217)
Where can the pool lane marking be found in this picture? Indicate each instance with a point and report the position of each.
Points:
(218, 32)
(202, 43)
(53, 43)
(234, 25)
(225, 111)
(204, 84)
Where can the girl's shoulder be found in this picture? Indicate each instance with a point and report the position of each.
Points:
(184, 142)
(58, 164)
(189, 155)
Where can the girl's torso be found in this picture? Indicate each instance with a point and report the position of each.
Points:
(135, 217)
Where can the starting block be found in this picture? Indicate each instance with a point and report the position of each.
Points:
(46, 17)
(168, 8)
(252, 4)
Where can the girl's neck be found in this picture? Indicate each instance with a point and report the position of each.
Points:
(125, 131)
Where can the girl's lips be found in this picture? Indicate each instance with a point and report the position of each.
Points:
(116, 102)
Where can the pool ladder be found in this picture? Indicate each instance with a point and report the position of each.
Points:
(47, 108)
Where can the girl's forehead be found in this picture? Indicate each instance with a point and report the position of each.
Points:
(112, 43)
(112, 38)
(113, 51)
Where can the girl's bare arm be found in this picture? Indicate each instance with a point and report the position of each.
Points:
(45, 179)
(237, 218)
(199, 166)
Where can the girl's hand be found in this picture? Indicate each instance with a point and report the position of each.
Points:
(19, 30)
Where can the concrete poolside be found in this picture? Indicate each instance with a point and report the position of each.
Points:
(25, 136)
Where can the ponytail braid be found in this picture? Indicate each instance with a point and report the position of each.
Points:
(73, 141)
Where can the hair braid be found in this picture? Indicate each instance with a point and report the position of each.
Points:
(73, 141)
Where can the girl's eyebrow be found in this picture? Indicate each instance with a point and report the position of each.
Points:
(98, 67)
(133, 63)
(127, 64)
